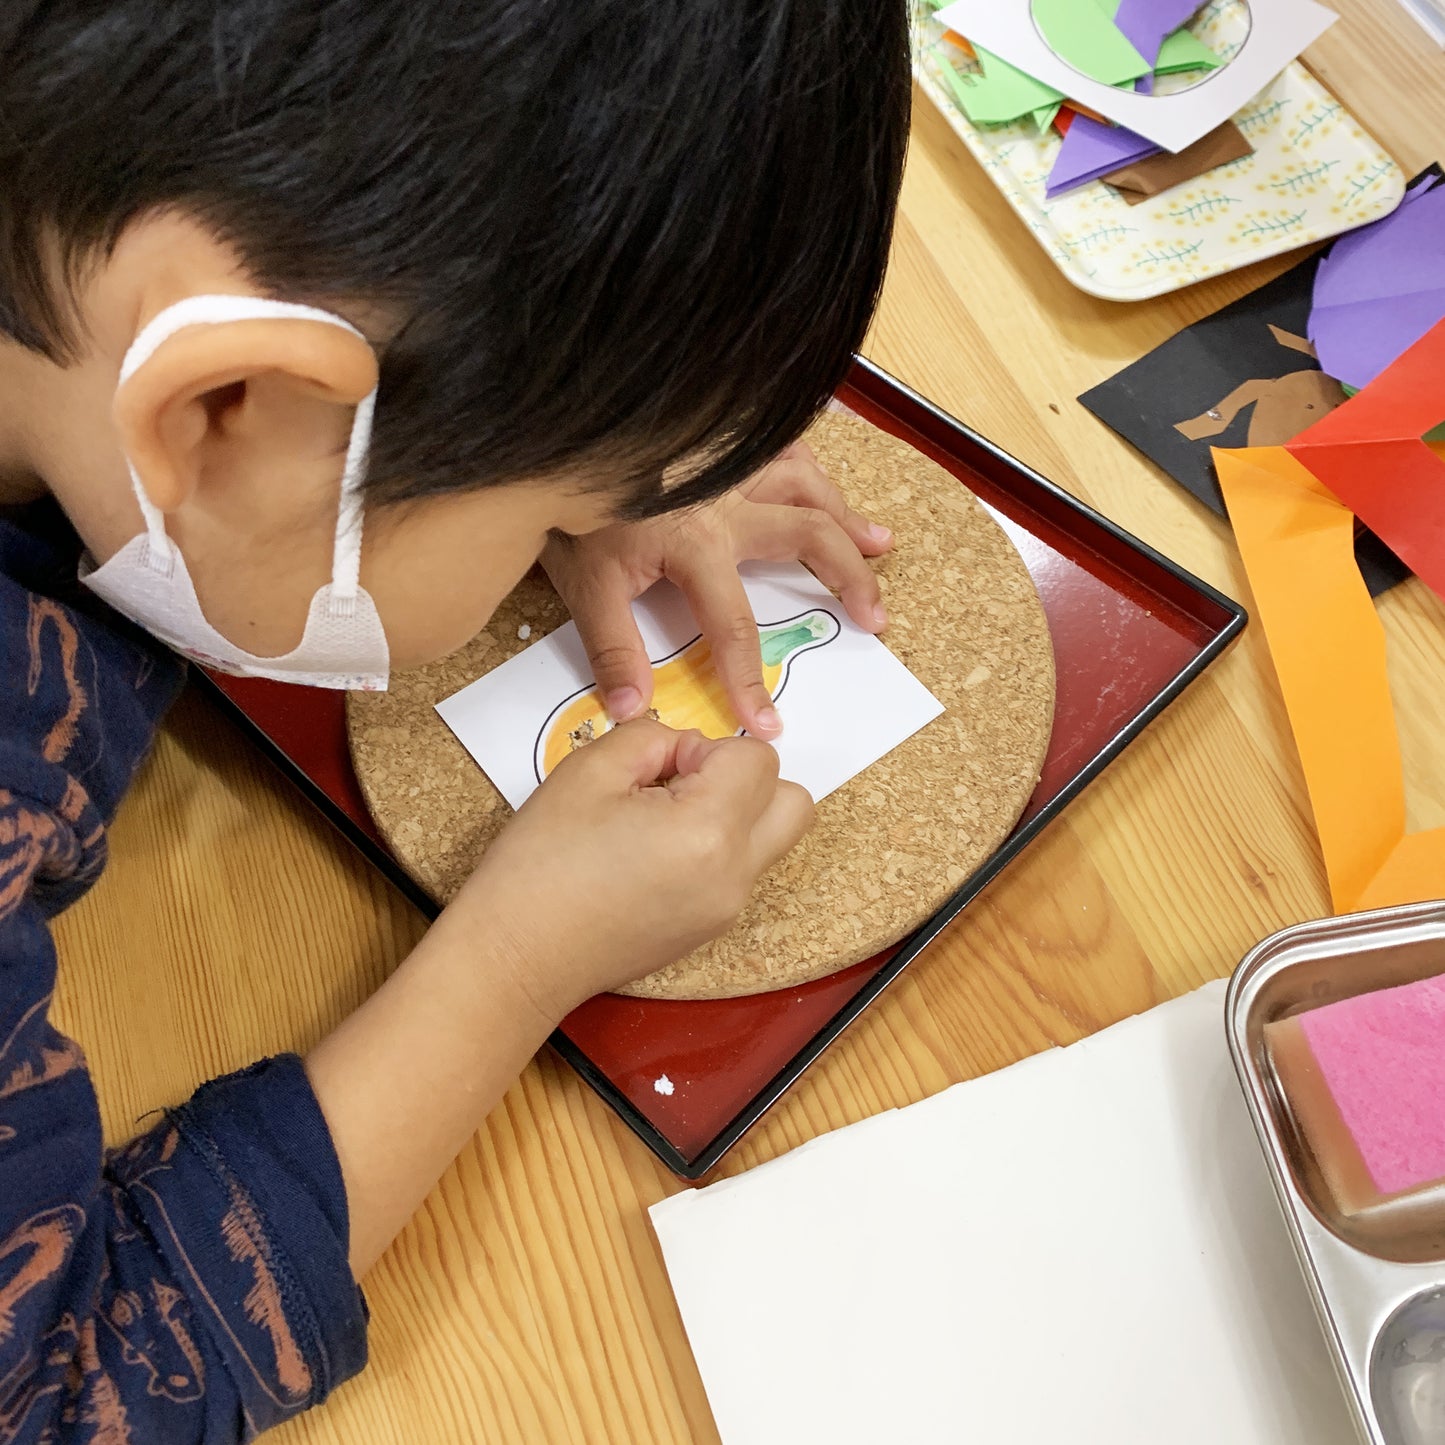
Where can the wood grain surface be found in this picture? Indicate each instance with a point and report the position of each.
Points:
(527, 1302)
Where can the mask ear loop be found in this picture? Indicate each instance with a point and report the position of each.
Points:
(346, 547)
(159, 553)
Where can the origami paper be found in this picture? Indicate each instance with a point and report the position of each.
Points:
(1381, 287)
(1140, 179)
(1146, 23)
(1329, 652)
(1067, 110)
(1091, 150)
(1141, 22)
(1371, 453)
(1184, 50)
(1254, 341)
(1278, 32)
(1000, 94)
(1086, 37)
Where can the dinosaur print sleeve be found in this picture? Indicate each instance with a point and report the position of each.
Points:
(191, 1285)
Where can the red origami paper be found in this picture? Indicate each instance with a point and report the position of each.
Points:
(1371, 454)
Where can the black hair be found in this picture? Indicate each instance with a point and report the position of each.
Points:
(626, 234)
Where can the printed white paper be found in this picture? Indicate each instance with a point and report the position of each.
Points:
(1278, 31)
(845, 699)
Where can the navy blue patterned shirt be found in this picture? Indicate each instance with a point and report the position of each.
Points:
(191, 1286)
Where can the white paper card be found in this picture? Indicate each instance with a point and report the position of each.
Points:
(1082, 1248)
(1278, 31)
(844, 698)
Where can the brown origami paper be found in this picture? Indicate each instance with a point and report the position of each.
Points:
(1141, 179)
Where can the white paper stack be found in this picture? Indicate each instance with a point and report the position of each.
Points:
(1082, 1249)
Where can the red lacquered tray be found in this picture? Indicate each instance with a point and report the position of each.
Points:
(1130, 631)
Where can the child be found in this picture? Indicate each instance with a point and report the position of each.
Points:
(593, 266)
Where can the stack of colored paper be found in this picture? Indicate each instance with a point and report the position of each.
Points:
(1141, 101)
(1378, 325)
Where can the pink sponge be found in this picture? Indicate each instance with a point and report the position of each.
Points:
(1366, 1080)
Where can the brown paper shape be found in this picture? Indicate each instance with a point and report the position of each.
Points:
(1141, 179)
(1283, 407)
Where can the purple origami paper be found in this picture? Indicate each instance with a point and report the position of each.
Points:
(1381, 288)
(1146, 23)
(1091, 150)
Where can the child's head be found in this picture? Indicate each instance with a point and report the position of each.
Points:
(590, 241)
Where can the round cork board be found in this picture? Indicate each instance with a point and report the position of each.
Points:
(891, 845)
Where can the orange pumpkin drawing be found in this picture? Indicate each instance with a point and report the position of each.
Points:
(686, 689)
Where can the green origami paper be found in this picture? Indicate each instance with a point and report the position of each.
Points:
(1084, 36)
(1001, 94)
(1184, 51)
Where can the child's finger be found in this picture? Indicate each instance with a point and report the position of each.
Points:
(784, 821)
(800, 482)
(715, 592)
(736, 776)
(634, 755)
(773, 533)
(603, 614)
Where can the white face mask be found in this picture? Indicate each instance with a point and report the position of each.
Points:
(344, 644)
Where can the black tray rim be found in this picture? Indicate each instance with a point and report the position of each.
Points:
(694, 1168)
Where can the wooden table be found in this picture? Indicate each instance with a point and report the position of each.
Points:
(527, 1302)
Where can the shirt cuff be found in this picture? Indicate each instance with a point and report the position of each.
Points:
(242, 1191)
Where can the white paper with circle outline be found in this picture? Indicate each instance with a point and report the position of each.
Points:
(1279, 31)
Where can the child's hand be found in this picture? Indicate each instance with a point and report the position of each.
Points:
(790, 510)
(601, 878)
(637, 849)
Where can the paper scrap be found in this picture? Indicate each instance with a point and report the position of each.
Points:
(999, 94)
(1147, 176)
(1371, 454)
(1046, 115)
(1085, 36)
(1328, 649)
(1382, 287)
(1232, 377)
(1278, 32)
(1082, 1248)
(846, 700)
(1184, 51)
(1148, 23)
(1090, 151)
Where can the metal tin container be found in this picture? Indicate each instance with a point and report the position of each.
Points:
(1379, 1287)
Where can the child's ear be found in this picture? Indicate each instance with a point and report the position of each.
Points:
(175, 409)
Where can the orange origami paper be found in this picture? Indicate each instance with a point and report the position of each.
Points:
(1297, 542)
